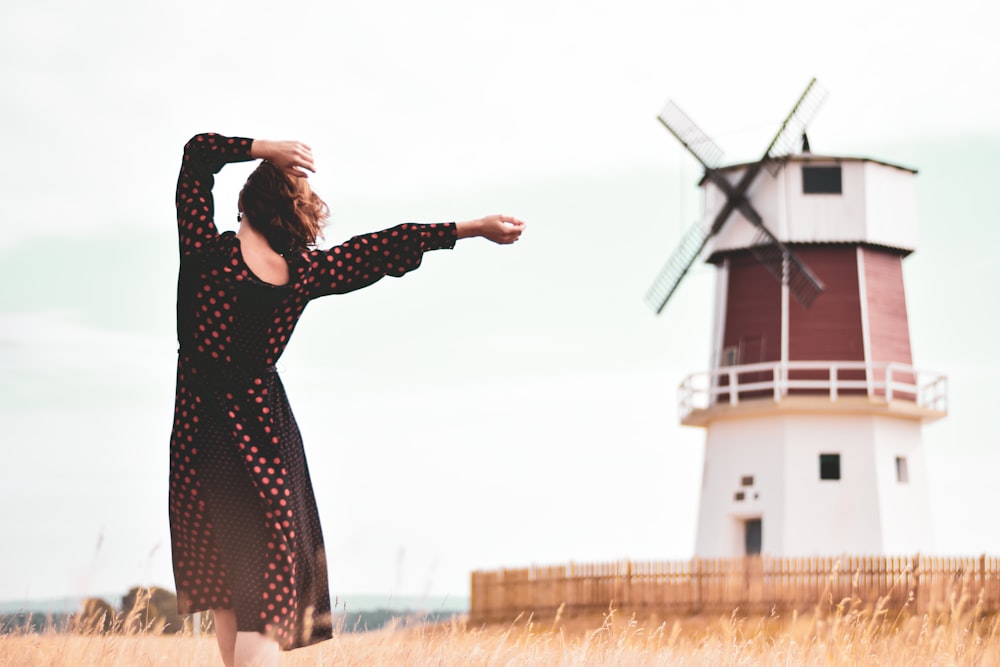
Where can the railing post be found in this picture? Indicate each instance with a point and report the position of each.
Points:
(888, 383)
(776, 378)
(684, 398)
(733, 393)
(833, 382)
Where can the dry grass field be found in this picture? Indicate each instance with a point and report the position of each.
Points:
(850, 634)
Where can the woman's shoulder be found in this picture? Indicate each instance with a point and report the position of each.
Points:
(211, 249)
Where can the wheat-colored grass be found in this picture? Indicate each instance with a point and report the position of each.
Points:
(850, 634)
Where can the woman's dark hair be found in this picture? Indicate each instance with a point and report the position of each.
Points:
(283, 208)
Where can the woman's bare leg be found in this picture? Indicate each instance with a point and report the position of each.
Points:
(225, 634)
(256, 650)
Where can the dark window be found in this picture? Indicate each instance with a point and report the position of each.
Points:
(746, 480)
(902, 472)
(821, 181)
(829, 466)
(752, 536)
(738, 496)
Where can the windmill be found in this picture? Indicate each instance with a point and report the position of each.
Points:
(812, 407)
(774, 255)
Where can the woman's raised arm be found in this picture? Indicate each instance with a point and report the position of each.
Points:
(290, 156)
(204, 156)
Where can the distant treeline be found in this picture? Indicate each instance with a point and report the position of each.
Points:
(154, 610)
(363, 621)
(34, 622)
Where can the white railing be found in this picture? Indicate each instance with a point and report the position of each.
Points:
(776, 380)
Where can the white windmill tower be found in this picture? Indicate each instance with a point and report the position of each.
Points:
(811, 406)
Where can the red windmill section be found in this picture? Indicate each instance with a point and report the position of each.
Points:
(752, 332)
(889, 329)
(863, 297)
(832, 328)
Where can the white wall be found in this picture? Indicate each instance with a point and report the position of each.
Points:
(831, 516)
(891, 202)
(865, 512)
(733, 449)
(827, 217)
(877, 205)
(905, 507)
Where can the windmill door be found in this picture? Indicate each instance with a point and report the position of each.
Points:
(753, 532)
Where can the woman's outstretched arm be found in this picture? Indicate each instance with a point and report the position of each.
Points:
(501, 229)
(366, 259)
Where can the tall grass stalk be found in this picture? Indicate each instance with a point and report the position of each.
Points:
(845, 633)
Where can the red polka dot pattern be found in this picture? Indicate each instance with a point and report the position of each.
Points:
(244, 527)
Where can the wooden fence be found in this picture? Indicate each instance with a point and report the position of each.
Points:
(753, 584)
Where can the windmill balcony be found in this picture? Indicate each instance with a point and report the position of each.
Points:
(813, 387)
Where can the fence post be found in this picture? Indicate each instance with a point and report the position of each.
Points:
(699, 582)
(982, 575)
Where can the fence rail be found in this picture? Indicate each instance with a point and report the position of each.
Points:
(832, 379)
(722, 585)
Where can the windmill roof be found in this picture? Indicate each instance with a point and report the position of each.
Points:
(814, 157)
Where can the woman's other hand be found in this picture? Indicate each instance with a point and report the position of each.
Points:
(501, 229)
(289, 156)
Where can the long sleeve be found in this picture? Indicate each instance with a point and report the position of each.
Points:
(204, 156)
(365, 259)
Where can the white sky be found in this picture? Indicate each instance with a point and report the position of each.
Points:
(500, 406)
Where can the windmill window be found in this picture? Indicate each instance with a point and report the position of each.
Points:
(821, 181)
(746, 480)
(738, 496)
(829, 466)
(902, 471)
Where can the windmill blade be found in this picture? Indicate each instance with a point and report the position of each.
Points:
(795, 124)
(785, 266)
(690, 135)
(677, 266)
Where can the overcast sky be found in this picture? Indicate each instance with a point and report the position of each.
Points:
(500, 406)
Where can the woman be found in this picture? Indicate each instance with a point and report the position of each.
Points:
(245, 532)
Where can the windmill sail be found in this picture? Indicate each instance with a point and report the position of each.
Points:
(790, 132)
(677, 266)
(786, 267)
(776, 257)
(699, 144)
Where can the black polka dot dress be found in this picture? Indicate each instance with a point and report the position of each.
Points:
(244, 527)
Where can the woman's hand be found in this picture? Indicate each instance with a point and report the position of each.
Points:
(289, 156)
(501, 229)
